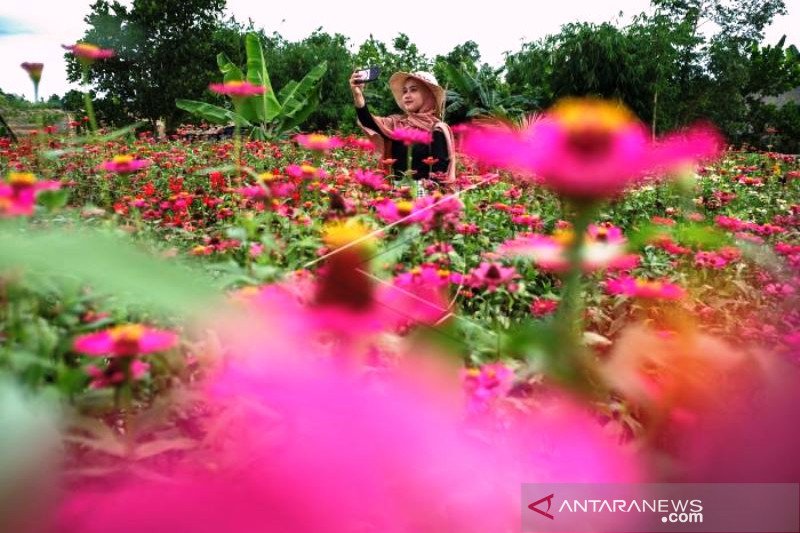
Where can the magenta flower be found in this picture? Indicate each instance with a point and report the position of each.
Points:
(641, 288)
(409, 136)
(318, 142)
(486, 383)
(373, 180)
(305, 172)
(88, 53)
(125, 341)
(604, 247)
(587, 148)
(492, 276)
(124, 164)
(18, 193)
(238, 89)
(390, 211)
(543, 306)
(34, 70)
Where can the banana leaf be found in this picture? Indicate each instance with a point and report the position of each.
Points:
(211, 113)
(257, 74)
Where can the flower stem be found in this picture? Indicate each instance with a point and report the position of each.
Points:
(87, 100)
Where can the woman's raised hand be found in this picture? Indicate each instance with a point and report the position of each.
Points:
(357, 88)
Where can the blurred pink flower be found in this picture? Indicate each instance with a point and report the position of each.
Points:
(543, 306)
(88, 53)
(409, 136)
(304, 445)
(641, 288)
(319, 142)
(305, 172)
(18, 193)
(588, 148)
(373, 180)
(238, 89)
(604, 248)
(124, 164)
(492, 276)
(34, 70)
(125, 340)
(486, 383)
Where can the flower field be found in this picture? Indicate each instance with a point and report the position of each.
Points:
(210, 330)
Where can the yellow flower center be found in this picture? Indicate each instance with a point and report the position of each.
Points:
(86, 48)
(21, 178)
(340, 234)
(404, 208)
(564, 236)
(308, 169)
(128, 333)
(266, 177)
(591, 113)
(443, 273)
(123, 159)
(317, 138)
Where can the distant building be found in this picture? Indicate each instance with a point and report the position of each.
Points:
(783, 99)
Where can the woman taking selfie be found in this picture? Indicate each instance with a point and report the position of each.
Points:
(422, 100)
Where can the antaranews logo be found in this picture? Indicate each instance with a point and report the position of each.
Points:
(549, 500)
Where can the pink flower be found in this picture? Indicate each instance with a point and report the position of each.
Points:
(390, 211)
(640, 288)
(319, 142)
(88, 53)
(125, 341)
(124, 164)
(34, 70)
(409, 136)
(373, 180)
(604, 247)
(305, 172)
(392, 456)
(492, 276)
(18, 193)
(543, 306)
(237, 89)
(486, 383)
(587, 148)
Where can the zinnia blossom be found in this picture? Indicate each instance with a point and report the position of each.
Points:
(604, 247)
(409, 136)
(319, 142)
(34, 70)
(492, 276)
(642, 288)
(587, 148)
(88, 53)
(237, 88)
(125, 340)
(18, 193)
(124, 164)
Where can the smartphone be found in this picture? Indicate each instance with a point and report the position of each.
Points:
(369, 74)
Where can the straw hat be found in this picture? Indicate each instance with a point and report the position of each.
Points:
(399, 78)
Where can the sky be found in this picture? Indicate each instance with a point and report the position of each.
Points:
(39, 27)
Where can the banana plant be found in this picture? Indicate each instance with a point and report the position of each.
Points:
(271, 114)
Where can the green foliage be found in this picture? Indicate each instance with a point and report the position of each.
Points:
(270, 114)
(164, 50)
(478, 95)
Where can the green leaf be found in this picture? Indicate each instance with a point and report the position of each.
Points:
(257, 74)
(110, 264)
(53, 200)
(211, 112)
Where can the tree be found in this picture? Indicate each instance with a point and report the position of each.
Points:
(287, 60)
(165, 49)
